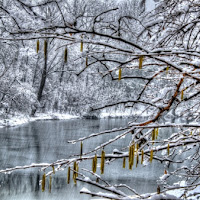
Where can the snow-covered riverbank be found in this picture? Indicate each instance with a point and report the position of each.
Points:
(23, 119)
(20, 119)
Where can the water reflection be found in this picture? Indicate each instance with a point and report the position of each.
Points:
(46, 141)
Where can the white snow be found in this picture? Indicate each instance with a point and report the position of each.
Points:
(176, 193)
(105, 114)
(150, 5)
(193, 192)
(23, 119)
(87, 179)
(84, 190)
(164, 176)
(127, 112)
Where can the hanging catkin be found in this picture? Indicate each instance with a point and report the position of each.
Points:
(38, 46)
(142, 156)
(95, 158)
(86, 61)
(43, 182)
(168, 149)
(45, 48)
(153, 134)
(151, 155)
(65, 55)
(77, 170)
(102, 161)
(50, 181)
(120, 74)
(53, 168)
(124, 162)
(182, 95)
(137, 159)
(137, 146)
(74, 173)
(81, 150)
(131, 155)
(81, 48)
(130, 160)
(68, 175)
(141, 58)
(167, 69)
(133, 151)
(156, 133)
(158, 190)
(94, 164)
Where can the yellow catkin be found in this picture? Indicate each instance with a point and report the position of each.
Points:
(167, 69)
(141, 58)
(124, 162)
(137, 147)
(151, 155)
(182, 95)
(68, 175)
(130, 160)
(86, 61)
(81, 150)
(158, 190)
(94, 164)
(43, 182)
(168, 149)
(81, 48)
(77, 168)
(45, 48)
(50, 181)
(131, 155)
(53, 168)
(142, 156)
(156, 133)
(137, 159)
(38, 46)
(120, 74)
(153, 134)
(133, 146)
(133, 151)
(65, 55)
(74, 173)
(102, 161)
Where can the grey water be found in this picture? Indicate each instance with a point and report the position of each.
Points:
(47, 141)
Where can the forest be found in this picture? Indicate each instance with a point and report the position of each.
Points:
(109, 58)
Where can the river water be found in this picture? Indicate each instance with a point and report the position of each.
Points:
(46, 141)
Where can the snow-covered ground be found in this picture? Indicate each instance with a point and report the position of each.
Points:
(22, 119)
(122, 113)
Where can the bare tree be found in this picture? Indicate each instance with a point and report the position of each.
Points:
(159, 51)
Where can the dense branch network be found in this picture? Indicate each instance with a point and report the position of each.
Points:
(159, 52)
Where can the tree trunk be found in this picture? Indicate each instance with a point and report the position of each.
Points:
(62, 73)
(43, 80)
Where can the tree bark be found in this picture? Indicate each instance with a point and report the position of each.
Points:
(43, 81)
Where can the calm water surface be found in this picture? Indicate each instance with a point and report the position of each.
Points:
(46, 141)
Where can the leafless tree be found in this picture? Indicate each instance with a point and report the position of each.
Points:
(159, 51)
